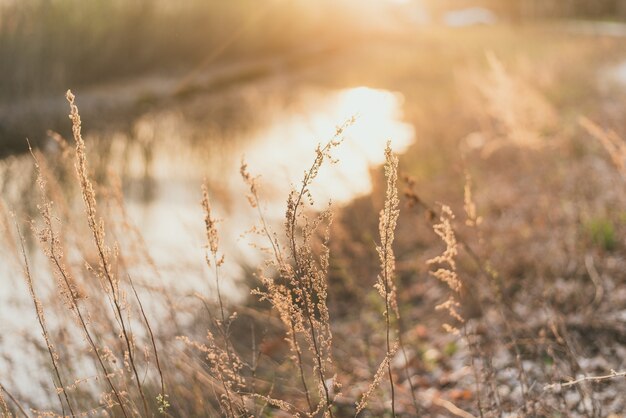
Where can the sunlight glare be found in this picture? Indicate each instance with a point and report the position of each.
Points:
(284, 149)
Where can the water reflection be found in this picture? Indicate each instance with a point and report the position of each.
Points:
(164, 160)
(618, 74)
(169, 214)
(286, 148)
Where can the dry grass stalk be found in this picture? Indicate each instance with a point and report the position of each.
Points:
(518, 113)
(472, 218)
(213, 244)
(17, 404)
(276, 294)
(226, 368)
(300, 295)
(140, 247)
(223, 361)
(612, 375)
(611, 141)
(378, 378)
(162, 396)
(96, 226)
(280, 404)
(446, 261)
(388, 220)
(385, 284)
(447, 273)
(4, 408)
(67, 286)
(446, 230)
(41, 319)
(307, 278)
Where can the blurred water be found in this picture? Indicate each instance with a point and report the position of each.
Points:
(171, 219)
(618, 73)
(469, 17)
(163, 161)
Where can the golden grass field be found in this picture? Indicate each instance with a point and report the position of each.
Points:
(450, 242)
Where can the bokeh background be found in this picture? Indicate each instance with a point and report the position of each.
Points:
(525, 98)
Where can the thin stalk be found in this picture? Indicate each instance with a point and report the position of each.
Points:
(279, 260)
(224, 327)
(152, 340)
(474, 371)
(3, 405)
(406, 367)
(83, 324)
(12, 398)
(118, 309)
(387, 224)
(387, 315)
(42, 325)
(496, 288)
(254, 364)
(230, 402)
(51, 238)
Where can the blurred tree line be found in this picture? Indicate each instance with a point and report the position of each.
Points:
(595, 9)
(47, 46)
(539, 9)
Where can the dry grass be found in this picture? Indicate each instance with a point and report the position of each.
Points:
(515, 344)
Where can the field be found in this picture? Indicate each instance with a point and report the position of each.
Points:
(388, 220)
